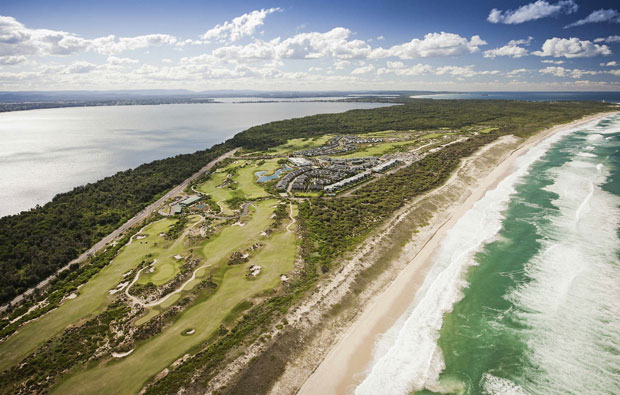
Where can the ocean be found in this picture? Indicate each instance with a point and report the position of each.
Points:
(612, 97)
(524, 293)
(45, 152)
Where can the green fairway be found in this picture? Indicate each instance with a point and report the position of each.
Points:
(277, 257)
(378, 149)
(300, 144)
(93, 298)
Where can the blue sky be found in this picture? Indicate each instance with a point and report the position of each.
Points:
(310, 45)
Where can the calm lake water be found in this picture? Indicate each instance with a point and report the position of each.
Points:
(45, 152)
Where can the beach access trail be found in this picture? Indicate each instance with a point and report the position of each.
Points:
(141, 216)
(344, 364)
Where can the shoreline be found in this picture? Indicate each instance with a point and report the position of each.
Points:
(346, 364)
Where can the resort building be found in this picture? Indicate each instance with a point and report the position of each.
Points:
(190, 200)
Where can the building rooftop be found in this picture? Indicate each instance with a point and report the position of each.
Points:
(190, 200)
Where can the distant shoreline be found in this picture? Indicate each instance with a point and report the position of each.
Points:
(344, 365)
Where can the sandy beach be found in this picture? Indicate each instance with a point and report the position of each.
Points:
(344, 365)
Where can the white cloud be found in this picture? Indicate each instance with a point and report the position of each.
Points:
(116, 61)
(516, 72)
(523, 41)
(610, 64)
(363, 70)
(614, 72)
(433, 45)
(111, 45)
(559, 71)
(467, 71)
(598, 16)
(532, 11)
(553, 61)
(334, 43)
(241, 26)
(400, 69)
(507, 50)
(380, 38)
(12, 60)
(315, 45)
(80, 68)
(572, 48)
(341, 64)
(610, 39)
(18, 40)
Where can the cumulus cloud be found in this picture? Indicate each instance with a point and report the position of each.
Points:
(513, 51)
(571, 48)
(363, 69)
(18, 40)
(241, 26)
(532, 11)
(315, 45)
(334, 43)
(598, 16)
(432, 45)
(610, 64)
(523, 41)
(559, 71)
(553, 61)
(80, 68)
(111, 44)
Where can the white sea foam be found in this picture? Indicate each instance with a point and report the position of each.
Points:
(586, 155)
(571, 303)
(494, 385)
(408, 357)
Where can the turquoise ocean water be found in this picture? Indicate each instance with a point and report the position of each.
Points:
(524, 296)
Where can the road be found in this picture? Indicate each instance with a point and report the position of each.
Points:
(141, 216)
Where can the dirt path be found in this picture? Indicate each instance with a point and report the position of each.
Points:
(290, 215)
(141, 216)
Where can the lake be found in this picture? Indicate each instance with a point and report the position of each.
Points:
(45, 152)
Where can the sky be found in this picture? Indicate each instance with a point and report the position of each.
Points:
(455, 45)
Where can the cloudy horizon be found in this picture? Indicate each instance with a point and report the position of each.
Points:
(541, 45)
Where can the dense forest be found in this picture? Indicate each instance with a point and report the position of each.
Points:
(35, 243)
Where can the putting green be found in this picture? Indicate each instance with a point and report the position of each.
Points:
(129, 374)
